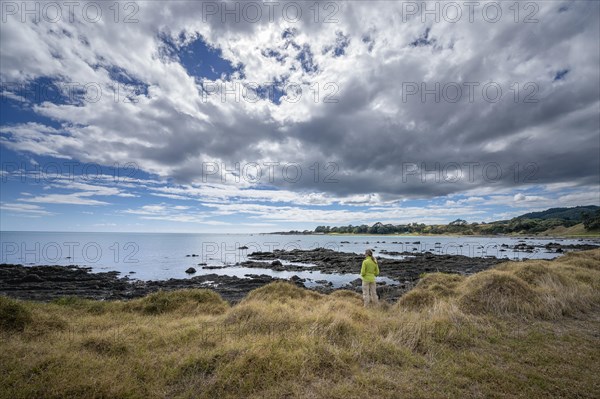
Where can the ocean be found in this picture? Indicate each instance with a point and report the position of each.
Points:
(160, 256)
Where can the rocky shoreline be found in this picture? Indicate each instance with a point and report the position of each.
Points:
(407, 269)
(44, 283)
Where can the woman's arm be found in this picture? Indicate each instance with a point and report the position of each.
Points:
(363, 269)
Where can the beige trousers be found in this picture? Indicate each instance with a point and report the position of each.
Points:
(369, 291)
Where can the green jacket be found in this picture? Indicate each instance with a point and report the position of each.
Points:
(369, 270)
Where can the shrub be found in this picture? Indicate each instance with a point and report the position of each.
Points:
(447, 280)
(13, 315)
(497, 292)
(87, 305)
(187, 300)
(417, 299)
(538, 273)
(586, 259)
(281, 291)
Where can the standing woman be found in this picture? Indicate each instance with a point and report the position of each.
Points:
(368, 272)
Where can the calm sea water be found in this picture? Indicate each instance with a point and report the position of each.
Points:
(158, 256)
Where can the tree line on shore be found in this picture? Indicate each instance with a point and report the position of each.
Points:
(529, 223)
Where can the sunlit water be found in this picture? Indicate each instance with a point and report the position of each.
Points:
(157, 256)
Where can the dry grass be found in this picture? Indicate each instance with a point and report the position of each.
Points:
(577, 230)
(525, 329)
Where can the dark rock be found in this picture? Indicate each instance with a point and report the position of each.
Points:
(276, 263)
(523, 247)
(191, 270)
(355, 283)
(32, 278)
(243, 247)
(580, 247)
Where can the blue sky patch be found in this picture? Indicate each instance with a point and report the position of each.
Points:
(16, 112)
(270, 53)
(369, 41)
(199, 59)
(423, 40)
(306, 59)
(203, 61)
(273, 92)
(289, 33)
(560, 75)
(18, 99)
(341, 43)
(40, 90)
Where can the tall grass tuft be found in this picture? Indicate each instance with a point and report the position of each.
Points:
(283, 292)
(190, 301)
(13, 315)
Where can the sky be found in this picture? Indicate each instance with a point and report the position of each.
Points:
(267, 116)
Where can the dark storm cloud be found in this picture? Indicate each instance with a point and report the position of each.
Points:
(375, 131)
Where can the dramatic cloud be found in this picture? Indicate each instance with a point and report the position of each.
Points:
(306, 111)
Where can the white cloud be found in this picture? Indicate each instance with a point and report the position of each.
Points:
(33, 210)
(70, 199)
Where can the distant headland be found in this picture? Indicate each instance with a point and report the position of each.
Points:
(575, 221)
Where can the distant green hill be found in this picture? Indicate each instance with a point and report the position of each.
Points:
(551, 221)
(576, 214)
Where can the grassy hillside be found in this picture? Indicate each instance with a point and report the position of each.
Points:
(577, 230)
(526, 329)
(575, 213)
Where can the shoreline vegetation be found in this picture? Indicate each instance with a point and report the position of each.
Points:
(518, 329)
(593, 234)
(575, 222)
